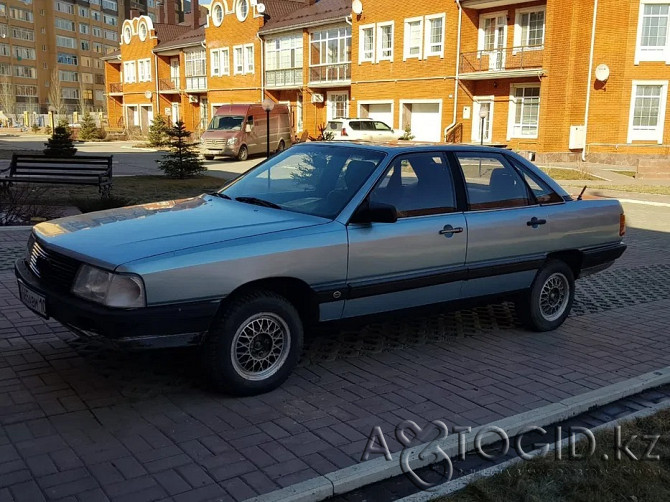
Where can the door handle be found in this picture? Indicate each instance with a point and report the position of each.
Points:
(534, 222)
(449, 230)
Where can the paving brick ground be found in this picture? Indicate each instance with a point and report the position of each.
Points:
(80, 422)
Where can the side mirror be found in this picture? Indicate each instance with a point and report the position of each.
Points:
(247, 128)
(375, 212)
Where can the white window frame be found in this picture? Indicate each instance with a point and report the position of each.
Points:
(223, 66)
(377, 40)
(651, 55)
(361, 46)
(518, 43)
(215, 62)
(329, 111)
(129, 77)
(249, 63)
(238, 60)
(427, 34)
(481, 35)
(511, 121)
(406, 38)
(144, 70)
(656, 135)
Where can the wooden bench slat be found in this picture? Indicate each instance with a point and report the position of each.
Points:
(60, 168)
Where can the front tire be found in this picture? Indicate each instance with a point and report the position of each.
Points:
(243, 154)
(254, 345)
(209, 157)
(549, 300)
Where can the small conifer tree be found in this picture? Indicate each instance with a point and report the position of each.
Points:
(158, 131)
(60, 143)
(89, 129)
(183, 159)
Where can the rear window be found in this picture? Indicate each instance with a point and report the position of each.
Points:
(355, 125)
(335, 126)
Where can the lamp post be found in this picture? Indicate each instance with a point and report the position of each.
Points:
(267, 105)
(483, 115)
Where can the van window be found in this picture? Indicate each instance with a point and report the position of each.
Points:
(226, 123)
(250, 121)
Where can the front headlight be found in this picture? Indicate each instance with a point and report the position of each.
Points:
(232, 141)
(108, 288)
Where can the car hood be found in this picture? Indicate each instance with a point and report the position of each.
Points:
(116, 236)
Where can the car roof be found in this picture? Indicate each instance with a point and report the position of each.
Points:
(350, 118)
(395, 147)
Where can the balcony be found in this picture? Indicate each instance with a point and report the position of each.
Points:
(116, 89)
(488, 4)
(330, 75)
(510, 62)
(196, 84)
(291, 77)
(168, 85)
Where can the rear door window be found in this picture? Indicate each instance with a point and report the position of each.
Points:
(334, 126)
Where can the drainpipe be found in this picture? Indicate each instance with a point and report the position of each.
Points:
(158, 103)
(588, 88)
(458, 67)
(262, 66)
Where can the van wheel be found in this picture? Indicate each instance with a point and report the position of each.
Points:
(254, 345)
(243, 154)
(281, 147)
(209, 157)
(548, 302)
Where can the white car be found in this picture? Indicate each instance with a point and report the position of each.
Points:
(352, 129)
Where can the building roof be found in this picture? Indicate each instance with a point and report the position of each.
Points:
(112, 55)
(187, 38)
(321, 12)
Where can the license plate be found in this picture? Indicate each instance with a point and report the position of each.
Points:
(35, 302)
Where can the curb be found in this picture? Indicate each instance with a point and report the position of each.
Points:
(451, 487)
(16, 228)
(368, 472)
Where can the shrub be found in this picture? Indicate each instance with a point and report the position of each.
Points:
(89, 129)
(408, 136)
(21, 203)
(183, 160)
(158, 131)
(35, 128)
(60, 143)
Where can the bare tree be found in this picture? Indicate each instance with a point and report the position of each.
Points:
(7, 96)
(83, 102)
(56, 93)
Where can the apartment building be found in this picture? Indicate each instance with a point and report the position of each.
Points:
(554, 78)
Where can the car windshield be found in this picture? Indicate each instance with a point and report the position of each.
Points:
(226, 123)
(316, 180)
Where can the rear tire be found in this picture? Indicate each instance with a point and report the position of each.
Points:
(209, 157)
(548, 302)
(254, 344)
(243, 154)
(281, 147)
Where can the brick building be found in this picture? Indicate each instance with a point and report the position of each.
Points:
(552, 77)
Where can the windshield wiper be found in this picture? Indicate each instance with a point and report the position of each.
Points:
(258, 202)
(219, 194)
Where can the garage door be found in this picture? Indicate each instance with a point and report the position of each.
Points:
(426, 122)
(381, 111)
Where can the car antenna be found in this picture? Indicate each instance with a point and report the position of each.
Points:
(581, 194)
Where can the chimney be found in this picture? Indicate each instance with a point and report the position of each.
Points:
(161, 10)
(195, 14)
(170, 16)
(134, 13)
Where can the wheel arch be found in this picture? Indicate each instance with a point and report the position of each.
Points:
(572, 257)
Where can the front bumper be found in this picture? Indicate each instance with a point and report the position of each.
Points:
(227, 151)
(174, 325)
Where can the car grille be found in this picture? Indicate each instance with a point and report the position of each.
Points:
(215, 142)
(53, 269)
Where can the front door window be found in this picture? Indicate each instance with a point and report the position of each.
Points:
(484, 125)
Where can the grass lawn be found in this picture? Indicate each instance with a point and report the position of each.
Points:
(586, 480)
(567, 174)
(652, 189)
(128, 190)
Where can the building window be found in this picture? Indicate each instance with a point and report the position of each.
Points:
(67, 42)
(283, 61)
(217, 14)
(99, 95)
(4, 50)
(24, 53)
(84, 28)
(220, 62)
(195, 69)
(338, 105)
(652, 39)
(111, 35)
(647, 111)
(110, 5)
(26, 90)
(64, 58)
(238, 60)
(86, 61)
(413, 38)
(87, 78)
(70, 93)
(96, 15)
(97, 32)
(129, 72)
(242, 9)
(249, 58)
(21, 14)
(83, 12)
(524, 112)
(366, 51)
(64, 24)
(330, 55)
(113, 21)
(144, 70)
(65, 7)
(434, 43)
(385, 41)
(25, 71)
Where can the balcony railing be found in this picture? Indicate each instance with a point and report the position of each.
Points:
(168, 84)
(504, 59)
(283, 78)
(330, 73)
(116, 87)
(196, 83)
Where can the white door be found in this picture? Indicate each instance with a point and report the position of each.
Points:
(174, 72)
(486, 106)
(175, 113)
(496, 35)
(381, 111)
(337, 105)
(426, 122)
